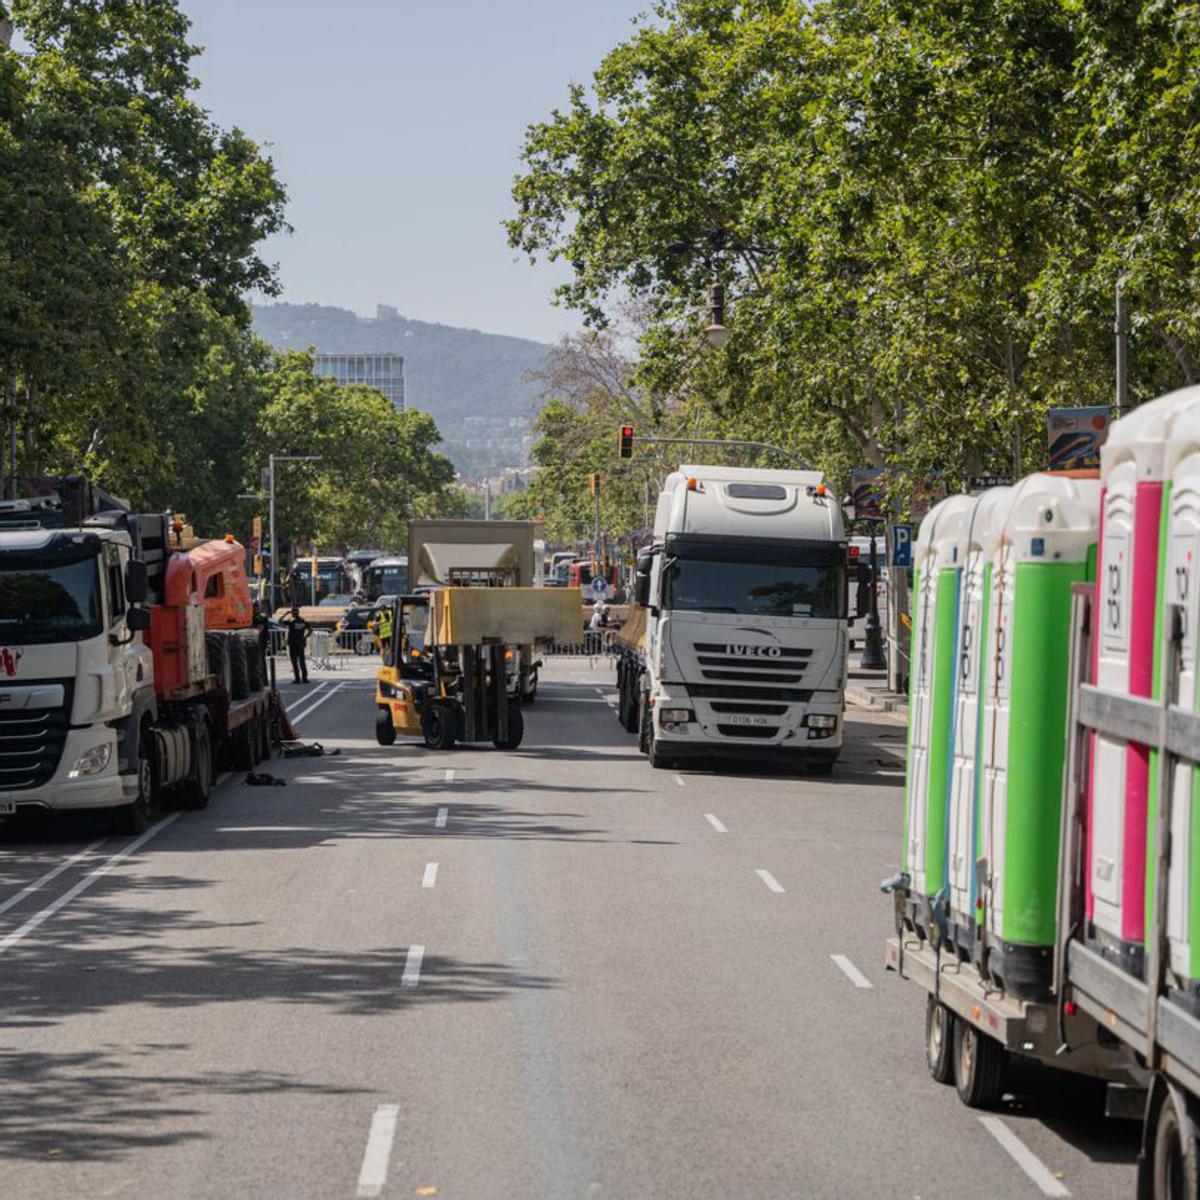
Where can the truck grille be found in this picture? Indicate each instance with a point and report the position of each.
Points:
(728, 691)
(766, 710)
(31, 745)
(748, 731)
(785, 666)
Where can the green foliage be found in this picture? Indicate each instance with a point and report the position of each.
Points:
(921, 212)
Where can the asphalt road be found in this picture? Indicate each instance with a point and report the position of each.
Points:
(549, 973)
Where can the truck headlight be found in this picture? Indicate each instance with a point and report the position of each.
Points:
(674, 716)
(91, 762)
(822, 721)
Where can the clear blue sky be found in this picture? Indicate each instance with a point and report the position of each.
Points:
(396, 126)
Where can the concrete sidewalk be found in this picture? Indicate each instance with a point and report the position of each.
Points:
(868, 689)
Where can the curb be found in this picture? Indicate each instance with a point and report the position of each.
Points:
(886, 704)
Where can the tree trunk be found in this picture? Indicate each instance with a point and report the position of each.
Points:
(1183, 356)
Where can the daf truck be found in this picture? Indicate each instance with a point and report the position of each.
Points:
(735, 645)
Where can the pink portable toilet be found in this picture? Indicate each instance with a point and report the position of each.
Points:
(1132, 470)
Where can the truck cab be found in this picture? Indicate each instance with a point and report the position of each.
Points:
(744, 586)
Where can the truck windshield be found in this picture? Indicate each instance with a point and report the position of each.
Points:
(42, 602)
(755, 589)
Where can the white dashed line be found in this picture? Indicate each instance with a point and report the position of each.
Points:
(679, 779)
(851, 972)
(37, 884)
(333, 691)
(449, 774)
(429, 879)
(716, 823)
(769, 880)
(412, 967)
(306, 696)
(440, 822)
(1024, 1157)
(378, 1153)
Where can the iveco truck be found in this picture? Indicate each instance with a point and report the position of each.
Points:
(736, 643)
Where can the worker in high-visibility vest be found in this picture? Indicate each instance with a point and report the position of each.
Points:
(383, 632)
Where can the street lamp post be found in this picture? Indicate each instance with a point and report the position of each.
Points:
(873, 657)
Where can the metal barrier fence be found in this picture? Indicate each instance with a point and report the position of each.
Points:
(327, 645)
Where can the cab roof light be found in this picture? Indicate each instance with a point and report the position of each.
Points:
(693, 484)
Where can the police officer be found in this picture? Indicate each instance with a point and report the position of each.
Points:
(297, 639)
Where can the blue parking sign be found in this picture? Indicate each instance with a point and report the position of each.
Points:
(902, 546)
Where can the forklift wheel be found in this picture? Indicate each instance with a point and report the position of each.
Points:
(439, 724)
(516, 728)
(385, 731)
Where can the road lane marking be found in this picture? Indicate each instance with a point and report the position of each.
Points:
(306, 696)
(1024, 1157)
(333, 691)
(44, 914)
(429, 879)
(449, 774)
(679, 779)
(716, 823)
(412, 967)
(442, 814)
(769, 880)
(851, 972)
(37, 884)
(378, 1153)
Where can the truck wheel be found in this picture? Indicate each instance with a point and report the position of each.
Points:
(978, 1066)
(529, 693)
(629, 715)
(255, 668)
(239, 668)
(516, 728)
(196, 791)
(658, 760)
(645, 724)
(1175, 1165)
(216, 646)
(135, 818)
(385, 731)
(263, 729)
(939, 1040)
(439, 725)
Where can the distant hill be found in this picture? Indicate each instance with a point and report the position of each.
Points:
(473, 384)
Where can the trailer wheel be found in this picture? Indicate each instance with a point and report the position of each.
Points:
(516, 728)
(1176, 1164)
(978, 1066)
(196, 791)
(255, 667)
(385, 731)
(263, 729)
(239, 668)
(439, 725)
(216, 647)
(939, 1040)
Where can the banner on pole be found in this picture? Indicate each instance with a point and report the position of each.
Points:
(867, 493)
(1076, 435)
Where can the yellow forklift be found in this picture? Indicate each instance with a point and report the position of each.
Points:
(444, 693)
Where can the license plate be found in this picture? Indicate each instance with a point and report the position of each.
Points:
(8, 808)
(751, 719)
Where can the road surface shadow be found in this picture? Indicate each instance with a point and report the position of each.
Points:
(92, 1106)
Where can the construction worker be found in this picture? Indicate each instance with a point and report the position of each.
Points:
(383, 633)
(297, 639)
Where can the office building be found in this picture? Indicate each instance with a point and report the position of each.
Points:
(382, 371)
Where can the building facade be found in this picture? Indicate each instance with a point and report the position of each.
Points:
(382, 371)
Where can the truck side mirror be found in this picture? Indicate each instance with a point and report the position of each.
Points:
(137, 582)
(137, 620)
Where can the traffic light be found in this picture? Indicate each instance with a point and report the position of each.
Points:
(594, 484)
(626, 441)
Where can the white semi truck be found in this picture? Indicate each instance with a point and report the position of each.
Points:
(736, 643)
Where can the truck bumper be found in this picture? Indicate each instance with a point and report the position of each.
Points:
(106, 789)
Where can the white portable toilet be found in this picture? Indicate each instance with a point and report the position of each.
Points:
(1048, 544)
(1181, 587)
(981, 535)
(937, 563)
(1132, 471)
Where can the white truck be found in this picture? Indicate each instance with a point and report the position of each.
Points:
(736, 643)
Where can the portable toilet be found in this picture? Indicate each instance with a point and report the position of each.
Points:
(1180, 586)
(982, 531)
(937, 569)
(1047, 543)
(1132, 470)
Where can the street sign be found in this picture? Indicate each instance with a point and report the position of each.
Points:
(902, 546)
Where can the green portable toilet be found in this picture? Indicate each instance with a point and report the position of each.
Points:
(983, 526)
(1047, 543)
(937, 571)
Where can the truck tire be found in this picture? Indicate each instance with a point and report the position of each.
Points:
(263, 729)
(978, 1066)
(194, 793)
(529, 686)
(516, 728)
(239, 668)
(658, 760)
(1175, 1163)
(939, 1040)
(135, 818)
(628, 713)
(645, 723)
(256, 674)
(385, 731)
(439, 726)
(216, 646)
